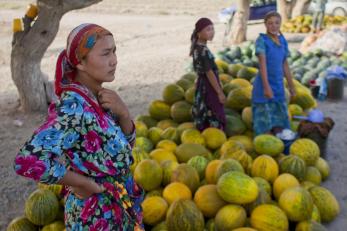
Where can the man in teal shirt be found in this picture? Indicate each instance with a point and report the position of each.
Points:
(318, 15)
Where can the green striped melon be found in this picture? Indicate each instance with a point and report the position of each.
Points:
(269, 218)
(227, 166)
(21, 224)
(173, 93)
(307, 149)
(187, 175)
(208, 200)
(326, 203)
(55, 226)
(159, 110)
(181, 111)
(184, 215)
(200, 164)
(237, 187)
(154, 210)
(268, 144)
(186, 151)
(313, 175)
(147, 119)
(310, 226)
(297, 203)
(148, 174)
(230, 217)
(168, 167)
(266, 167)
(262, 183)
(41, 207)
(294, 165)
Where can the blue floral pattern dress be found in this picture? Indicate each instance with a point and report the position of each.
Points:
(78, 137)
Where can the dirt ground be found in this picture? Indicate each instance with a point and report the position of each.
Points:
(152, 38)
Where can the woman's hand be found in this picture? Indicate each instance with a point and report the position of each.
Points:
(110, 100)
(221, 98)
(268, 92)
(86, 190)
(292, 92)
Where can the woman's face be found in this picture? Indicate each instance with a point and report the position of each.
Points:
(101, 61)
(207, 33)
(273, 25)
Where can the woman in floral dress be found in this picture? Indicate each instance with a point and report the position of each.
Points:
(86, 141)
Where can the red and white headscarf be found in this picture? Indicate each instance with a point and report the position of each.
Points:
(80, 41)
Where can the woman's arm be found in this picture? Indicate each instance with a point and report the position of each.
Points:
(213, 80)
(263, 74)
(289, 78)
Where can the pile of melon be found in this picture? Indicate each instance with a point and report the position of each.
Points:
(216, 180)
(44, 210)
(302, 23)
(227, 180)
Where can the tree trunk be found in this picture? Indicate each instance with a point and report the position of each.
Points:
(239, 23)
(282, 9)
(300, 7)
(29, 46)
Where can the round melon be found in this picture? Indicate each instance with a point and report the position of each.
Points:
(183, 126)
(160, 155)
(144, 144)
(41, 207)
(310, 226)
(210, 172)
(307, 185)
(269, 218)
(268, 144)
(173, 93)
(166, 123)
(185, 84)
(234, 126)
(138, 155)
(189, 95)
(170, 134)
(247, 73)
(323, 168)
(175, 191)
(168, 145)
(141, 129)
(208, 200)
(237, 188)
(55, 226)
(159, 110)
(242, 157)
(266, 167)
(297, 203)
(154, 134)
(230, 217)
(262, 183)
(294, 165)
(191, 76)
(154, 210)
(184, 215)
(263, 198)
(186, 151)
(168, 167)
(283, 182)
(239, 98)
(315, 214)
(187, 175)
(247, 117)
(200, 164)
(241, 83)
(227, 166)
(231, 146)
(181, 111)
(148, 174)
(214, 137)
(246, 141)
(55, 188)
(21, 224)
(158, 192)
(313, 175)
(295, 110)
(192, 136)
(160, 227)
(307, 149)
(147, 119)
(326, 203)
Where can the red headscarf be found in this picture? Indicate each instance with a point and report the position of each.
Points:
(80, 41)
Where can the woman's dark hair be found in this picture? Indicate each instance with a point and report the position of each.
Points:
(272, 14)
(193, 39)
